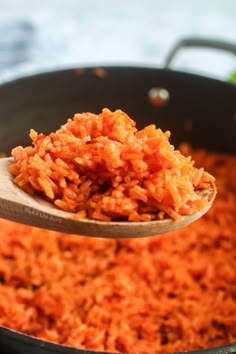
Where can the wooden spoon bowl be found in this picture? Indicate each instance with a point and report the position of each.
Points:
(17, 205)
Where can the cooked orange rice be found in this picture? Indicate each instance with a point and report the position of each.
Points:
(100, 166)
(150, 295)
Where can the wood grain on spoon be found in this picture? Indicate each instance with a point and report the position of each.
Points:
(17, 205)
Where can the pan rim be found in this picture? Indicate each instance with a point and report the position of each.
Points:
(88, 68)
(61, 348)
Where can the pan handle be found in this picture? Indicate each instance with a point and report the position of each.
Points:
(198, 42)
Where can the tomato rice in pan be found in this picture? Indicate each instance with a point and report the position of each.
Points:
(156, 294)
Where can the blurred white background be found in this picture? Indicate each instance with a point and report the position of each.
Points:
(50, 34)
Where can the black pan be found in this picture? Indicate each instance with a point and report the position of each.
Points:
(199, 110)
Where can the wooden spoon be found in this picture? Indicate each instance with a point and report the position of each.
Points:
(17, 205)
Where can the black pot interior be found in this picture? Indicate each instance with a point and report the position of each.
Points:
(200, 111)
(45, 101)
